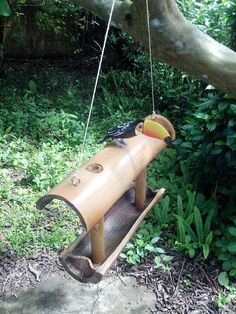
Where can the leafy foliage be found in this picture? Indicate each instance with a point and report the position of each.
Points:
(61, 18)
(225, 245)
(64, 19)
(4, 8)
(211, 16)
(41, 131)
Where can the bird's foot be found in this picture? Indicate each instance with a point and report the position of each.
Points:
(119, 142)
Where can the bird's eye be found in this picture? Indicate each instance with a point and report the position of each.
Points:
(139, 128)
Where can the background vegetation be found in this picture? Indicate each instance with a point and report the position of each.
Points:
(43, 108)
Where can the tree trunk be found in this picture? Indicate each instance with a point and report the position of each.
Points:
(174, 39)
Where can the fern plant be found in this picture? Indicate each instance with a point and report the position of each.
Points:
(192, 231)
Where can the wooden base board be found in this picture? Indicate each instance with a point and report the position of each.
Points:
(121, 222)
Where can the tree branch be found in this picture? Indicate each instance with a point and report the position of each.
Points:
(174, 39)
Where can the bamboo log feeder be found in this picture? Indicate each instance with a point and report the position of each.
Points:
(109, 208)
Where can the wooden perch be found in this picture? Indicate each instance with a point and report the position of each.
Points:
(140, 189)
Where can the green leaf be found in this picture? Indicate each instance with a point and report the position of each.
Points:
(222, 106)
(191, 203)
(122, 255)
(201, 115)
(157, 261)
(199, 225)
(180, 206)
(233, 108)
(232, 231)
(223, 279)
(167, 258)
(155, 240)
(32, 86)
(191, 252)
(227, 265)
(188, 229)
(232, 272)
(234, 263)
(209, 238)
(231, 123)
(166, 205)
(224, 256)
(140, 242)
(4, 8)
(150, 248)
(205, 248)
(130, 246)
(185, 172)
(180, 230)
(211, 125)
(189, 220)
(208, 221)
(159, 250)
(232, 247)
(220, 143)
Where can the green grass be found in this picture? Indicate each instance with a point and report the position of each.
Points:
(43, 111)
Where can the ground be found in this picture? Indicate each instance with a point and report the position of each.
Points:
(188, 286)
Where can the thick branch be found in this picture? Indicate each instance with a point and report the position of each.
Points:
(174, 39)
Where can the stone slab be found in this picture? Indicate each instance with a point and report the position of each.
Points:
(114, 295)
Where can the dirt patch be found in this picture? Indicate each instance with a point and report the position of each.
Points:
(17, 274)
(188, 286)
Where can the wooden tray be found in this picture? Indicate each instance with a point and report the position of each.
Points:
(121, 222)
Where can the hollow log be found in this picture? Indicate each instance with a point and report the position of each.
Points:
(104, 178)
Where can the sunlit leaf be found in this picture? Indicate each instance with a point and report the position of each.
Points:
(223, 279)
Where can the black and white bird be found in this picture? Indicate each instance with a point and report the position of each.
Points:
(121, 131)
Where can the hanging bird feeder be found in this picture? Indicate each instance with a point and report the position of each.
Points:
(111, 199)
(109, 192)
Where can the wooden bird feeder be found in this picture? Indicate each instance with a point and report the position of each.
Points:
(111, 200)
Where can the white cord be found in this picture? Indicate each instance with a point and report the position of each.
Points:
(97, 78)
(75, 179)
(150, 58)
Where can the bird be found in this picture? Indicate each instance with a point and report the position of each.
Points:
(121, 131)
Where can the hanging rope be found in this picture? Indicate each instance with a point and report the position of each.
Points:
(150, 58)
(75, 179)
